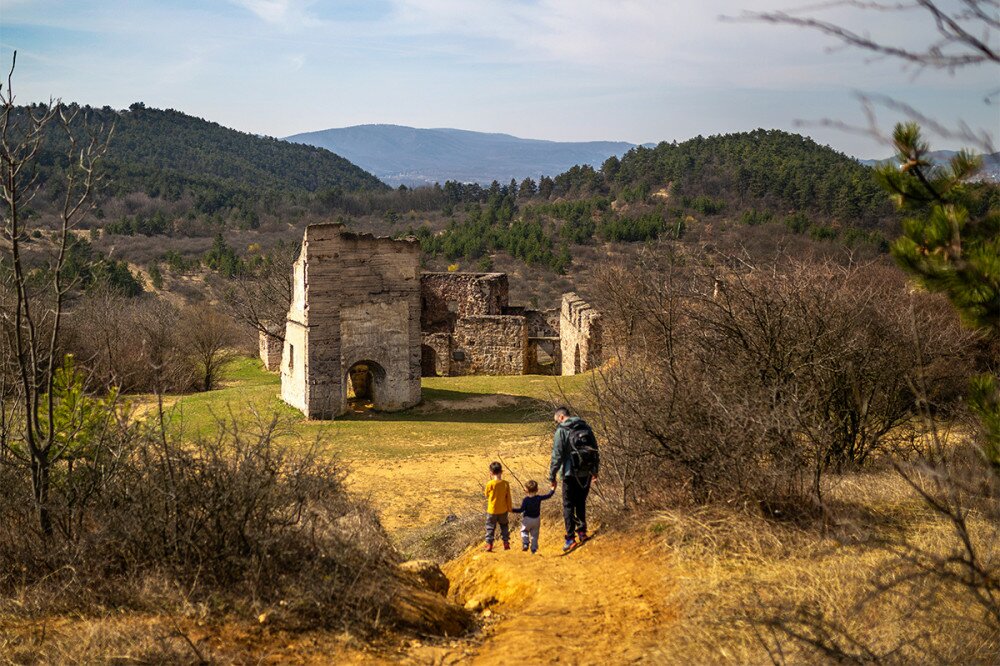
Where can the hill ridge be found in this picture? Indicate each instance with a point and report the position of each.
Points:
(400, 154)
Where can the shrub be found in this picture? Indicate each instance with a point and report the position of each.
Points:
(751, 384)
(239, 522)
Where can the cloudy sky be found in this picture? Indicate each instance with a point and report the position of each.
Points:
(634, 70)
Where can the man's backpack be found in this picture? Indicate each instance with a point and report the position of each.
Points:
(584, 459)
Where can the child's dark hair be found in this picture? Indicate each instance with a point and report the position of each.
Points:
(531, 486)
(496, 468)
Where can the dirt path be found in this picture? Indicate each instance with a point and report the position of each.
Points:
(603, 603)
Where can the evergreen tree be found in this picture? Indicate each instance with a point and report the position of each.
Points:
(950, 250)
(527, 189)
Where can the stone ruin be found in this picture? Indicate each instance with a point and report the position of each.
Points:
(580, 335)
(271, 347)
(353, 328)
(364, 325)
(469, 328)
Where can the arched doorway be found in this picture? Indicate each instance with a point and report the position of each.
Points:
(363, 382)
(428, 361)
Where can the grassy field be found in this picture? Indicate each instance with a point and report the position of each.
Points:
(417, 466)
(457, 413)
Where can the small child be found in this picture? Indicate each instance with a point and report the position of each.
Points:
(531, 518)
(498, 504)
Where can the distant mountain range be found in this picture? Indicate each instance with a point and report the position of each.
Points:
(412, 156)
(991, 163)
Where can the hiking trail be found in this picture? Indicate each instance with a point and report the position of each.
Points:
(605, 602)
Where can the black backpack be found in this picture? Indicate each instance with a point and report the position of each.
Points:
(584, 459)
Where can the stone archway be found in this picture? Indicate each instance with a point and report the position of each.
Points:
(428, 361)
(363, 385)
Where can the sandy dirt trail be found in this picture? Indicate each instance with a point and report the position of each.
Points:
(604, 603)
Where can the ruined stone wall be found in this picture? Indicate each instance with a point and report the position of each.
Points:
(356, 299)
(544, 356)
(580, 335)
(435, 355)
(449, 297)
(270, 347)
(543, 323)
(294, 377)
(490, 345)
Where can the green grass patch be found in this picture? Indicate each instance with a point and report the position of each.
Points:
(457, 413)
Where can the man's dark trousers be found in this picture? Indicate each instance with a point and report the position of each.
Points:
(574, 497)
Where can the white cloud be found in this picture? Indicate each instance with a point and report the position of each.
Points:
(286, 14)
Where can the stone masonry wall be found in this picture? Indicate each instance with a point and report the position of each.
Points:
(435, 355)
(490, 345)
(449, 297)
(580, 335)
(270, 347)
(356, 298)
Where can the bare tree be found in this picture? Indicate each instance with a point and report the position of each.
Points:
(966, 37)
(210, 336)
(33, 318)
(260, 295)
(752, 382)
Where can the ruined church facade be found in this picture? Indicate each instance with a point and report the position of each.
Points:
(365, 325)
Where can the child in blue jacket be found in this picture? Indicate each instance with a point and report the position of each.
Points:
(531, 516)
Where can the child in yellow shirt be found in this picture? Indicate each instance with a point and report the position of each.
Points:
(498, 504)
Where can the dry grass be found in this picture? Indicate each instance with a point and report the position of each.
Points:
(737, 571)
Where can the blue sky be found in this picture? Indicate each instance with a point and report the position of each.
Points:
(635, 70)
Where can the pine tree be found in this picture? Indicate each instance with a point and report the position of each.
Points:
(949, 250)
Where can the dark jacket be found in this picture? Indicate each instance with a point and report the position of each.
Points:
(560, 464)
(531, 505)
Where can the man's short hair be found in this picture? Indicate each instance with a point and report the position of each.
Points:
(495, 468)
(561, 410)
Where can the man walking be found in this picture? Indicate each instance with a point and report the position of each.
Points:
(574, 459)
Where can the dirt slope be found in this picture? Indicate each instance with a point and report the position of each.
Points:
(603, 603)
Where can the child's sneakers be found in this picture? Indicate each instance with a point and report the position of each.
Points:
(489, 548)
(524, 546)
(506, 545)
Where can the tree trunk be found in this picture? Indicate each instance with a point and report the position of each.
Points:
(40, 468)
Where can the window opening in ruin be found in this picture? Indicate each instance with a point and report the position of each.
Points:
(576, 360)
(452, 306)
(291, 356)
(543, 357)
(428, 361)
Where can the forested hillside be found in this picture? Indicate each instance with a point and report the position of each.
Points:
(220, 202)
(169, 154)
(768, 169)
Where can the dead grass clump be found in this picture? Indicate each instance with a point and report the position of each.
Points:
(443, 541)
(753, 590)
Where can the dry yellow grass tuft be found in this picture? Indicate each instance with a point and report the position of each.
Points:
(744, 583)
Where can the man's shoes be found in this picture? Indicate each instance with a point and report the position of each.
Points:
(506, 545)
(581, 536)
(489, 548)
(569, 545)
